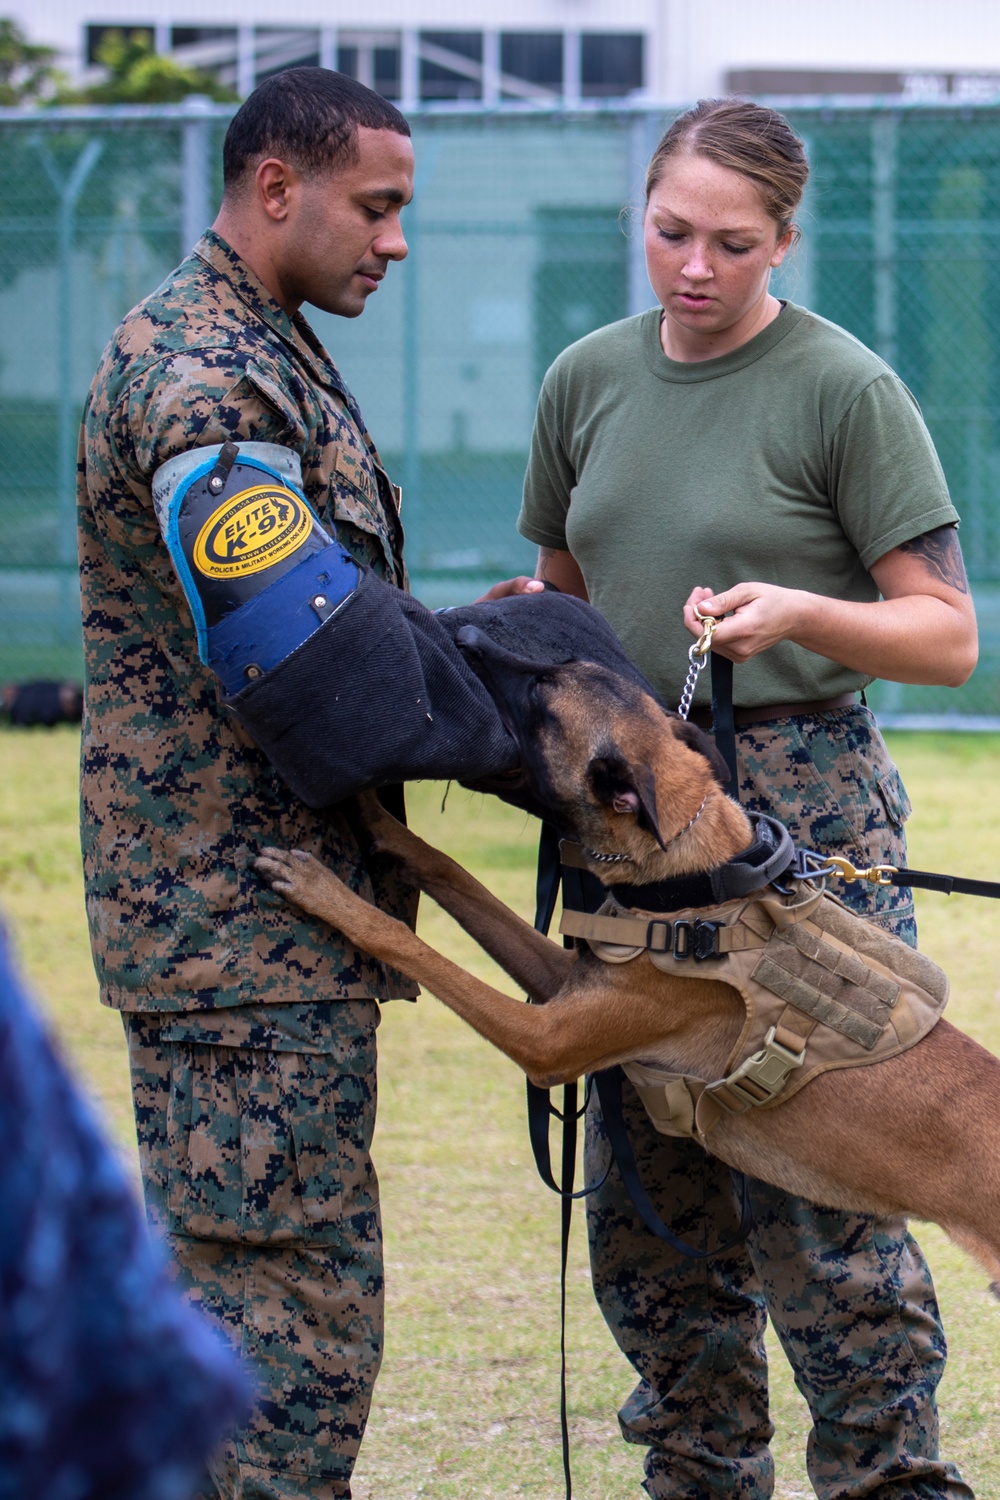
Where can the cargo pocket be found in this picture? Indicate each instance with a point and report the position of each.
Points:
(259, 1144)
(800, 773)
(894, 798)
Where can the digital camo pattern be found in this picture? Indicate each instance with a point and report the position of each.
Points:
(257, 1166)
(176, 801)
(830, 780)
(850, 1297)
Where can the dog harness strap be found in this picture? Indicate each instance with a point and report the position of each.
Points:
(762, 1076)
(699, 939)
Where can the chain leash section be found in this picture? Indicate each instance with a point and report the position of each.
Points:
(697, 661)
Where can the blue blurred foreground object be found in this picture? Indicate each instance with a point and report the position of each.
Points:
(111, 1387)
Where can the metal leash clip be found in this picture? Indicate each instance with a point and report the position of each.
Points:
(874, 874)
(698, 661)
(812, 866)
(808, 866)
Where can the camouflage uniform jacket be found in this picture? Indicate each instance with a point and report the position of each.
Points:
(176, 800)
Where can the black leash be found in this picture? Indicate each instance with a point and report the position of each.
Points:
(724, 718)
(724, 731)
(540, 1109)
(811, 864)
(959, 885)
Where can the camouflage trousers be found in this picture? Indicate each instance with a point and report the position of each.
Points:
(256, 1168)
(850, 1297)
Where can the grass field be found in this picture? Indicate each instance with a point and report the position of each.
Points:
(467, 1403)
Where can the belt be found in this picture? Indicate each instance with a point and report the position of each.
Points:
(703, 716)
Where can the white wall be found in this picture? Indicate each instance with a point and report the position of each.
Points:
(700, 42)
(692, 43)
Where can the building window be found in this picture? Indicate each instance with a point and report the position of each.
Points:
(201, 36)
(388, 72)
(373, 59)
(531, 57)
(278, 48)
(213, 48)
(610, 65)
(451, 64)
(97, 35)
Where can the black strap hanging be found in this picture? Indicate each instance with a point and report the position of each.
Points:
(724, 719)
(539, 1111)
(583, 892)
(609, 1092)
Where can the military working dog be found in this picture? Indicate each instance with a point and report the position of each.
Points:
(642, 793)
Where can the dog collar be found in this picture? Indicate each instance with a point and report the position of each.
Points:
(763, 861)
(617, 859)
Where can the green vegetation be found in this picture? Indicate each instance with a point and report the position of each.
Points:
(27, 75)
(467, 1403)
(135, 73)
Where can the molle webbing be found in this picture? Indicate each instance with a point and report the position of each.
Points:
(833, 987)
(823, 989)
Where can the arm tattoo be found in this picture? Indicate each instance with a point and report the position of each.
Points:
(545, 556)
(940, 551)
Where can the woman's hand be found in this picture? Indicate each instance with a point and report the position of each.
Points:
(560, 569)
(509, 587)
(759, 615)
(922, 630)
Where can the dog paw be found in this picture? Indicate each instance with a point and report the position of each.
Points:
(298, 877)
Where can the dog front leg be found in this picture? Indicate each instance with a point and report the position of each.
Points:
(515, 1028)
(599, 1017)
(535, 963)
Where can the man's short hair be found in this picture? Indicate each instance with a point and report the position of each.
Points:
(308, 117)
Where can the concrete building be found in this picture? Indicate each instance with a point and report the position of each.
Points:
(525, 52)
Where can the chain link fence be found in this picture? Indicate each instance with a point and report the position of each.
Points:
(523, 236)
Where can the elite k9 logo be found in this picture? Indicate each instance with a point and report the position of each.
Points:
(251, 531)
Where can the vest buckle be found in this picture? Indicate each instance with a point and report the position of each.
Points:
(705, 943)
(761, 1077)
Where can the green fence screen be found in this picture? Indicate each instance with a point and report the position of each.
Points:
(524, 235)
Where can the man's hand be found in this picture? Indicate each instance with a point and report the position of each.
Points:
(511, 586)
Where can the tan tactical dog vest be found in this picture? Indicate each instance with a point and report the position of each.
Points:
(823, 989)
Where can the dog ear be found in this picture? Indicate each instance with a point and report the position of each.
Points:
(645, 786)
(626, 787)
(698, 740)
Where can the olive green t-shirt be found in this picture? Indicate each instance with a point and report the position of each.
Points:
(798, 459)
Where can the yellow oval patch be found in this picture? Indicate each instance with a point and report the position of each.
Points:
(251, 531)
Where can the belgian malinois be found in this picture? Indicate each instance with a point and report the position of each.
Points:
(640, 790)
